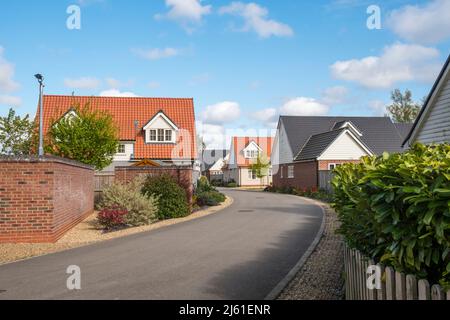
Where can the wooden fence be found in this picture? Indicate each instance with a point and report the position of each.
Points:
(394, 285)
(102, 180)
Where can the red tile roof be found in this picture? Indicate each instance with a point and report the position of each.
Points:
(125, 111)
(240, 143)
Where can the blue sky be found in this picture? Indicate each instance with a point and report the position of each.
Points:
(244, 63)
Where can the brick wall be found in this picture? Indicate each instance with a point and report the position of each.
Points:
(183, 175)
(42, 198)
(323, 164)
(305, 175)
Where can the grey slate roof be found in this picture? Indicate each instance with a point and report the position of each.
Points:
(317, 144)
(403, 129)
(379, 133)
(210, 157)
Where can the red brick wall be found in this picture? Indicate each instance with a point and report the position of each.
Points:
(305, 175)
(41, 199)
(183, 175)
(323, 164)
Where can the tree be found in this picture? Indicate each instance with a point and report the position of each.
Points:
(88, 136)
(403, 109)
(261, 167)
(16, 134)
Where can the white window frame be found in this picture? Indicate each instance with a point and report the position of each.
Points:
(119, 147)
(153, 135)
(332, 164)
(157, 138)
(290, 173)
(252, 174)
(281, 172)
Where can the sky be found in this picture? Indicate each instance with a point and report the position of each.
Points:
(244, 63)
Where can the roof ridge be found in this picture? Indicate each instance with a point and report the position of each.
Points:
(109, 97)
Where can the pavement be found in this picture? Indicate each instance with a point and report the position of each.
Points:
(240, 253)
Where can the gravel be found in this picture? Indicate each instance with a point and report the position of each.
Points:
(321, 277)
(88, 232)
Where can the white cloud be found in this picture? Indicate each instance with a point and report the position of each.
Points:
(266, 115)
(117, 93)
(156, 53)
(7, 84)
(82, 83)
(221, 113)
(256, 19)
(185, 12)
(303, 106)
(335, 95)
(11, 101)
(213, 136)
(426, 24)
(398, 63)
(378, 107)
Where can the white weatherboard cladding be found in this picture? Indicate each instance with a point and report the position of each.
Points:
(129, 150)
(218, 165)
(436, 126)
(282, 152)
(344, 147)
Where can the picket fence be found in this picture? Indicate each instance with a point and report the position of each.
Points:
(394, 285)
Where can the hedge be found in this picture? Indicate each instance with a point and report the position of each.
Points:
(396, 209)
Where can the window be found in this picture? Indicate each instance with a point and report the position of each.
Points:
(281, 172)
(331, 166)
(160, 135)
(168, 135)
(251, 154)
(121, 148)
(252, 174)
(290, 172)
(152, 135)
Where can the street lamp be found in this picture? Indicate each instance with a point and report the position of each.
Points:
(40, 79)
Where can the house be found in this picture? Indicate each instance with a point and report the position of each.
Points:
(160, 131)
(433, 122)
(213, 162)
(244, 152)
(307, 149)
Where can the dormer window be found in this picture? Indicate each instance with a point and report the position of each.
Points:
(252, 151)
(160, 129)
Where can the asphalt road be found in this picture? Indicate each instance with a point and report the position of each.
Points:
(241, 252)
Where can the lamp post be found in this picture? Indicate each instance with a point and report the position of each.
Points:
(40, 79)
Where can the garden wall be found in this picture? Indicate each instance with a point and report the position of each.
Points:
(183, 175)
(43, 198)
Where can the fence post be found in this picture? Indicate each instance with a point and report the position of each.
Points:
(400, 286)
(411, 287)
(372, 292)
(424, 290)
(437, 293)
(381, 293)
(390, 284)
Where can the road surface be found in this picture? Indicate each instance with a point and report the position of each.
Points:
(242, 252)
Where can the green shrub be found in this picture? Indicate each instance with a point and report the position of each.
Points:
(217, 183)
(232, 185)
(142, 210)
(210, 198)
(203, 185)
(172, 199)
(396, 209)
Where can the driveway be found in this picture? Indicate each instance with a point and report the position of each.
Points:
(242, 252)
